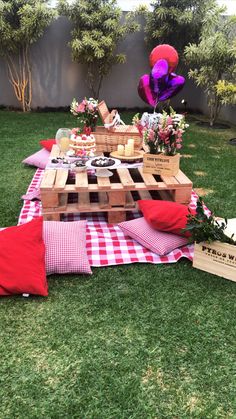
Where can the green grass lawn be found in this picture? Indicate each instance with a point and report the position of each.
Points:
(133, 341)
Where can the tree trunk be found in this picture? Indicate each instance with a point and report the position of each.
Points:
(99, 87)
(19, 75)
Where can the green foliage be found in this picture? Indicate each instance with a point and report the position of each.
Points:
(207, 228)
(98, 28)
(22, 23)
(175, 22)
(213, 60)
(226, 92)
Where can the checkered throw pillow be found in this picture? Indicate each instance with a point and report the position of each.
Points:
(66, 247)
(157, 241)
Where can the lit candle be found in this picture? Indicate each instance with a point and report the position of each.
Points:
(128, 150)
(120, 150)
(131, 144)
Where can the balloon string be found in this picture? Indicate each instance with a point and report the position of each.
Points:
(154, 108)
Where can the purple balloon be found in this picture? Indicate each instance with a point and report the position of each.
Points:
(172, 86)
(145, 92)
(158, 75)
(159, 85)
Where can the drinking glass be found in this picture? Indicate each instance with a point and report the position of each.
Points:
(63, 139)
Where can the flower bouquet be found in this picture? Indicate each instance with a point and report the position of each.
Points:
(162, 132)
(86, 112)
(162, 135)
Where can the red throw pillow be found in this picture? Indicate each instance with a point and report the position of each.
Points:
(22, 259)
(47, 143)
(165, 215)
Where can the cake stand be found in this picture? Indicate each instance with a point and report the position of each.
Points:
(103, 171)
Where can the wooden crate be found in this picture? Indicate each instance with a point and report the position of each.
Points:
(159, 164)
(115, 195)
(216, 258)
(107, 139)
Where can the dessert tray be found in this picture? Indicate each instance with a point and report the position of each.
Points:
(102, 164)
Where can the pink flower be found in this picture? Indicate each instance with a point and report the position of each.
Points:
(169, 121)
(80, 108)
(151, 135)
(75, 131)
(91, 107)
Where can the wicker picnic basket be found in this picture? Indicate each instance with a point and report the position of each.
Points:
(107, 139)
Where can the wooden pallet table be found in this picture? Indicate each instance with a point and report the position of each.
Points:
(115, 195)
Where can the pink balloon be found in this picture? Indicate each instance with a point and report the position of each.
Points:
(145, 92)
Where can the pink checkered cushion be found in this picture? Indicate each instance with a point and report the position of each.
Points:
(38, 159)
(66, 247)
(157, 241)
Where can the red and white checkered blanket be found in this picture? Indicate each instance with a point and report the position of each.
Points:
(106, 243)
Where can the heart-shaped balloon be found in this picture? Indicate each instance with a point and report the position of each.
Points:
(165, 88)
(158, 76)
(173, 85)
(145, 92)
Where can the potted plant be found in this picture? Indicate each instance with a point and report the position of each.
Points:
(162, 138)
(214, 247)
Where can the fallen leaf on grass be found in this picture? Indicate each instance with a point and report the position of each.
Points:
(200, 173)
(203, 192)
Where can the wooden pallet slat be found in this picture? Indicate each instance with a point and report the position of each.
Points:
(83, 201)
(116, 217)
(170, 181)
(103, 200)
(63, 198)
(183, 179)
(183, 195)
(129, 200)
(148, 178)
(103, 182)
(166, 195)
(125, 178)
(61, 178)
(48, 180)
(144, 195)
(81, 180)
(49, 200)
(116, 199)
